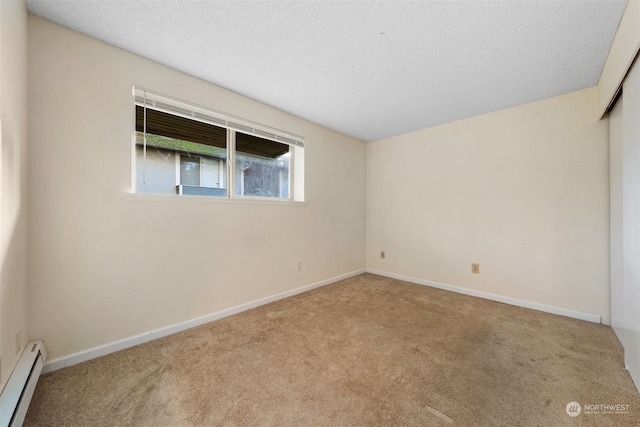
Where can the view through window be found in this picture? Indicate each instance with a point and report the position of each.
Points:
(187, 150)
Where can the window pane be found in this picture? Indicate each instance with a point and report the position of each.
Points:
(180, 128)
(262, 167)
(201, 165)
(158, 174)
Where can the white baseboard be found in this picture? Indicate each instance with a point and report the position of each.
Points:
(493, 297)
(92, 353)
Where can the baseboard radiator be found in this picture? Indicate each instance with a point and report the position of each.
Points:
(16, 396)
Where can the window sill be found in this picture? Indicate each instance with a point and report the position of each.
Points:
(176, 198)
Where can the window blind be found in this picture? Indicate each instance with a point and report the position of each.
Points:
(155, 102)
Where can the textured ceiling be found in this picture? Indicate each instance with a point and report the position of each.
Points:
(367, 69)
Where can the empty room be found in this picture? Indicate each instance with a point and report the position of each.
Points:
(324, 213)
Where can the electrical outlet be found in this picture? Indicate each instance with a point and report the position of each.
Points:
(18, 341)
(299, 266)
(382, 254)
(475, 268)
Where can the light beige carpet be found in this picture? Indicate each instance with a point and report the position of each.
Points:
(367, 351)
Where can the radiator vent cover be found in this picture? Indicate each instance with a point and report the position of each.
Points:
(16, 396)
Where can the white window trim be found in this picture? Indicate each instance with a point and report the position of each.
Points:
(175, 198)
(154, 100)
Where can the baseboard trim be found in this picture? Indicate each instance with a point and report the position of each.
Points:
(493, 297)
(92, 353)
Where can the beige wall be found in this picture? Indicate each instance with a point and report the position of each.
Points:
(13, 120)
(523, 192)
(102, 266)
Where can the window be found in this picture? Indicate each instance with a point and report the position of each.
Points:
(188, 150)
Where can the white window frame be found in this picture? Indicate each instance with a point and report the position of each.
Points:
(149, 99)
